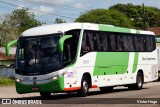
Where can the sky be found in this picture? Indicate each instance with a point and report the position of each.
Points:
(48, 10)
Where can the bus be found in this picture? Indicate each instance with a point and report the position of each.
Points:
(73, 57)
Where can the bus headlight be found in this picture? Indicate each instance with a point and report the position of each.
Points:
(54, 78)
(58, 76)
(18, 80)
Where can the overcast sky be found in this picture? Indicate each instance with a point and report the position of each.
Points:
(48, 10)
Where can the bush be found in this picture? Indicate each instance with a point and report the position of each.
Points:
(4, 81)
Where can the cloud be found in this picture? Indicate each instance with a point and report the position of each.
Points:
(54, 1)
(41, 10)
(78, 5)
(21, 6)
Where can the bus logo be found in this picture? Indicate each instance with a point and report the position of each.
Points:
(34, 80)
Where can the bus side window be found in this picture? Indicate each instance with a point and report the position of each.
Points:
(97, 42)
(119, 43)
(149, 43)
(67, 52)
(87, 43)
(139, 43)
(128, 43)
(113, 42)
(91, 40)
(104, 41)
(70, 46)
(153, 43)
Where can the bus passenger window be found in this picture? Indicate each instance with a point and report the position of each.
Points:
(97, 42)
(119, 42)
(85, 44)
(139, 43)
(104, 41)
(149, 43)
(113, 42)
(128, 43)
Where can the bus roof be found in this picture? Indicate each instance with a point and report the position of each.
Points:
(50, 29)
(60, 28)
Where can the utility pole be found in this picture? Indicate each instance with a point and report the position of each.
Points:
(144, 17)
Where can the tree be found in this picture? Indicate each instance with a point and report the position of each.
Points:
(135, 12)
(58, 20)
(7, 33)
(23, 19)
(104, 16)
(15, 23)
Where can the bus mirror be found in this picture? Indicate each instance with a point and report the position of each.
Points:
(61, 42)
(9, 45)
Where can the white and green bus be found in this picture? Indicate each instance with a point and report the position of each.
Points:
(77, 56)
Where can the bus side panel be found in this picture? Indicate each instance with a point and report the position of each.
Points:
(116, 68)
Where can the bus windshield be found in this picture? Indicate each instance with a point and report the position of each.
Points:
(38, 55)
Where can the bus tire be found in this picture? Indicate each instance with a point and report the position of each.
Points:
(83, 92)
(139, 82)
(106, 89)
(45, 95)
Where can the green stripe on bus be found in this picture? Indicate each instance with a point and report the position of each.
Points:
(113, 28)
(111, 63)
(136, 55)
(135, 63)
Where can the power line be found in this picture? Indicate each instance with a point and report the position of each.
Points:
(37, 10)
(51, 4)
(48, 4)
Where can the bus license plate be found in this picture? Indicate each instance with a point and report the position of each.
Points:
(35, 88)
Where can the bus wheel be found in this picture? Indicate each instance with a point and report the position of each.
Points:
(45, 95)
(106, 89)
(139, 82)
(84, 87)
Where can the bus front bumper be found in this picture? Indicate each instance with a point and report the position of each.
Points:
(52, 86)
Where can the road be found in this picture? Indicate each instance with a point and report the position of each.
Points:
(120, 95)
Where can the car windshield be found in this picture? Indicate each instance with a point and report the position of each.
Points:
(38, 55)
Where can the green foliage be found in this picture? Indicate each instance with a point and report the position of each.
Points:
(7, 33)
(23, 19)
(58, 20)
(104, 16)
(135, 12)
(6, 81)
(19, 21)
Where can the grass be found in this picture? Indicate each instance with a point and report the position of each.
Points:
(6, 81)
